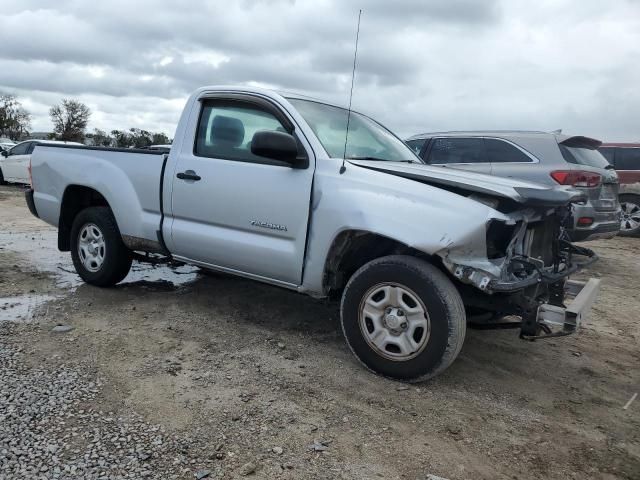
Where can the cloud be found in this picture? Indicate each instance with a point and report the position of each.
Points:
(423, 65)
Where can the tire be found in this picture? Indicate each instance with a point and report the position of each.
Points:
(2, 181)
(103, 260)
(420, 286)
(630, 222)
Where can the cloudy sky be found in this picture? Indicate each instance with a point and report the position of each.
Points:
(423, 65)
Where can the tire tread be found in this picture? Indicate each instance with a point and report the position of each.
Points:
(446, 291)
(114, 271)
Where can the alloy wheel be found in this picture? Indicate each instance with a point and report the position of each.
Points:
(630, 219)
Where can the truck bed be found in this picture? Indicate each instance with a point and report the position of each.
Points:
(129, 179)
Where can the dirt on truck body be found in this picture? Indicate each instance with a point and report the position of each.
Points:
(176, 373)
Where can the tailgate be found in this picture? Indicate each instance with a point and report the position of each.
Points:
(582, 153)
(605, 197)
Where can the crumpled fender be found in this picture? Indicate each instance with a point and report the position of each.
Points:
(426, 218)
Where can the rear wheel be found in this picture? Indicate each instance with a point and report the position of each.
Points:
(630, 220)
(99, 255)
(403, 318)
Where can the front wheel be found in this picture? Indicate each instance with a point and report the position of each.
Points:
(630, 220)
(403, 318)
(99, 255)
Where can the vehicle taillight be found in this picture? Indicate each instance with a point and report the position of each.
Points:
(30, 177)
(585, 221)
(577, 178)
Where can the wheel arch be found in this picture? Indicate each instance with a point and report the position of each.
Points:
(75, 199)
(351, 249)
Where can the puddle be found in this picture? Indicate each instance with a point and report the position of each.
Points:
(21, 308)
(144, 272)
(41, 252)
(40, 249)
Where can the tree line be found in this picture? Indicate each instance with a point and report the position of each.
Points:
(15, 121)
(70, 119)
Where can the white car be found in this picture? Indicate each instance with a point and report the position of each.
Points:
(6, 145)
(162, 148)
(14, 163)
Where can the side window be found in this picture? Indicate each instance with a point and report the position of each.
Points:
(457, 150)
(226, 129)
(628, 159)
(416, 145)
(32, 145)
(608, 153)
(499, 151)
(567, 155)
(20, 149)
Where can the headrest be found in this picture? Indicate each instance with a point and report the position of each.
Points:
(227, 131)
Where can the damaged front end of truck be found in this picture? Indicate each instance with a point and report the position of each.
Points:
(524, 266)
(517, 263)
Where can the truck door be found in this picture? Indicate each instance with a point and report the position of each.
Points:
(234, 210)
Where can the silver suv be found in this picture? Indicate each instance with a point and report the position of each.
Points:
(541, 157)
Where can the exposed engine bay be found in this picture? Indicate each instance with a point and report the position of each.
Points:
(529, 248)
(524, 272)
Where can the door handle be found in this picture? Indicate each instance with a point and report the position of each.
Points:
(188, 175)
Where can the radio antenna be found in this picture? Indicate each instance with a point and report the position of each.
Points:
(353, 76)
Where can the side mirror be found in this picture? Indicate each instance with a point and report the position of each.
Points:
(5, 153)
(276, 145)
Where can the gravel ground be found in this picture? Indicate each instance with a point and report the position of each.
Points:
(179, 374)
(50, 428)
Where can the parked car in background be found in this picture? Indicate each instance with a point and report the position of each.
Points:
(547, 158)
(5, 146)
(625, 157)
(14, 163)
(161, 148)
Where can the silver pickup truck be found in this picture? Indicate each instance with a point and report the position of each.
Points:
(276, 188)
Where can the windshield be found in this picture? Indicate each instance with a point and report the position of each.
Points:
(367, 139)
(584, 156)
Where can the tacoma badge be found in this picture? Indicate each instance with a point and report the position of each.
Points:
(272, 226)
